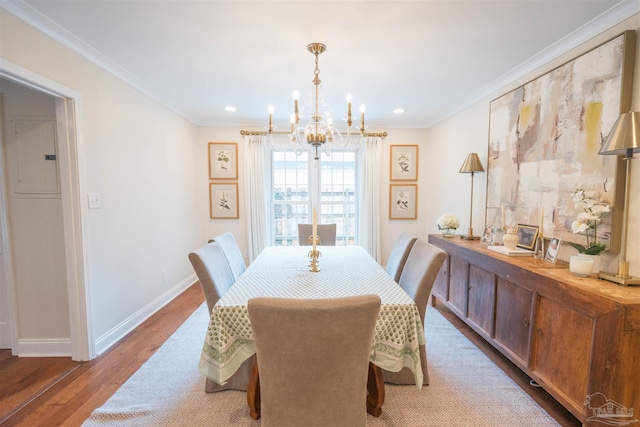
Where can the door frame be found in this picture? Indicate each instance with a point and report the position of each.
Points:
(68, 106)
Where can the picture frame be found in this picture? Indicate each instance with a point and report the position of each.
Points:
(552, 251)
(489, 234)
(527, 235)
(223, 200)
(403, 162)
(538, 132)
(223, 160)
(403, 201)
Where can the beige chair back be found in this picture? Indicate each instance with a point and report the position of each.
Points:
(232, 253)
(326, 233)
(215, 277)
(213, 272)
(420, 272)
(399, 255)
(313, 359)
(417, 278)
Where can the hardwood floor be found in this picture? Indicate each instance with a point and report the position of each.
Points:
(24, 379)
(85, 387)
(75, 396)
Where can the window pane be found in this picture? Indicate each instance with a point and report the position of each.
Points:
(335, 175)
(337, 197)
(286, 219)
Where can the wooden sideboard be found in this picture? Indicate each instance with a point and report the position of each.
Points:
(574, 336)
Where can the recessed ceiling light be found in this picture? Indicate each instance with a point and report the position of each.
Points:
(230, 108)
(398, 110)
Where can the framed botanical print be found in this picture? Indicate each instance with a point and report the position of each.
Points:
(223, 200)
(403, 201)
(403, 162)
(223, 160)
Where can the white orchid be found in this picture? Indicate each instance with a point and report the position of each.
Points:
(587, 221)
(448, 221)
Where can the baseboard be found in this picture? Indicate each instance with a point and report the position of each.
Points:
(118, 332)
(43, 347)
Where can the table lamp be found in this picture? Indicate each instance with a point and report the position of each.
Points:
(623, 140)
(471, 165)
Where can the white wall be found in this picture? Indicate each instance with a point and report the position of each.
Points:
(390, 228)
(142, 158)
(468, 131)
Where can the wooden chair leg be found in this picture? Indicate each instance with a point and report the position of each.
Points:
(375, 387)
(253, 391)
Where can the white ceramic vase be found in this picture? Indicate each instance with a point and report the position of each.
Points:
(581, 265)
(596, 263)
(510, 240)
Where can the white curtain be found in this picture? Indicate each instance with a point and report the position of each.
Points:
(255, 194)
(369, 209)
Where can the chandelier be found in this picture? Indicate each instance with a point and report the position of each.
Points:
(319, 131)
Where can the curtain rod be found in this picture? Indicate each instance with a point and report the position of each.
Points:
(264, 132)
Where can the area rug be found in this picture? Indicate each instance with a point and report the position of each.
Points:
(466, 389)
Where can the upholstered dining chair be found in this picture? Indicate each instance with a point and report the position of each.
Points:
(313, 359)
(215, 277)
(399, 255)
(232, 252)
(326, 233)
(417, 278)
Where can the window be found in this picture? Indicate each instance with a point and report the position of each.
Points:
(299, 183)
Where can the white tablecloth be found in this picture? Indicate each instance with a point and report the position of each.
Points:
(283, 272)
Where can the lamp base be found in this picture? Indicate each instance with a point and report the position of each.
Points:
(622, 281)
(470, 237)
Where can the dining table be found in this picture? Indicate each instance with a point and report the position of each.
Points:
(284, 272)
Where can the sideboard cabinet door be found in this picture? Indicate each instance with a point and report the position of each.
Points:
(441, 284)
(481, 297)
(458, 280)
(514, 309)
(561, 349)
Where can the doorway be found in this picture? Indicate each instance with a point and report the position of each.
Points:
(35, 260)
(79, 340)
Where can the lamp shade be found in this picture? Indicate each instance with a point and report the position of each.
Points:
(624, 137)
(472, 164)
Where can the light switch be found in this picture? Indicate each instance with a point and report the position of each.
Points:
(94, 201)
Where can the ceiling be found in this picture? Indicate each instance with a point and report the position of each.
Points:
(431, 58)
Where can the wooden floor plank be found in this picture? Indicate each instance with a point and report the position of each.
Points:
(74, 397)
(25, 378)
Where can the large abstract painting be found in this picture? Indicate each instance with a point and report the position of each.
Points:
(544, 139)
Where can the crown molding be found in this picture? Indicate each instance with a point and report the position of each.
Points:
(37, 20)
(612, 17)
